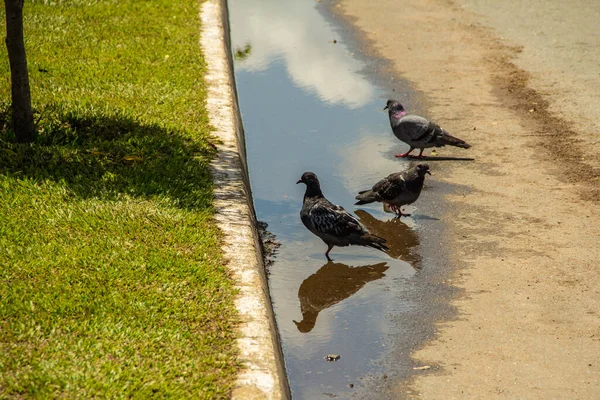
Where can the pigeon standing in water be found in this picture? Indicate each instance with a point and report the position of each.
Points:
(397, 190)
(418, 132)
(330, 222)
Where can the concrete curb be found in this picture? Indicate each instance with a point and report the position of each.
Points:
(263, 375)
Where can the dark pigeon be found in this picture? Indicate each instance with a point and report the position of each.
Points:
(418, 132)
(397, 190)
(330, 222)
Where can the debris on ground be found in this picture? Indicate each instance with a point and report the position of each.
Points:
(269, 244)
(422, 368)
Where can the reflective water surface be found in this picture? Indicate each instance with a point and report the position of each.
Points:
(307, 105)
(332, 283)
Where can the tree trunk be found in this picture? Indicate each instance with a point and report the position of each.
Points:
(22, 116)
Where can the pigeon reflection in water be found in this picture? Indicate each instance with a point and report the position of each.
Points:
(331, 284)
(401, 239)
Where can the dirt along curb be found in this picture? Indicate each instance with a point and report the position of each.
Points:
(263, 373)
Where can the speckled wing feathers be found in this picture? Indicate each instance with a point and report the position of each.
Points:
(390, 187)
(323, 217)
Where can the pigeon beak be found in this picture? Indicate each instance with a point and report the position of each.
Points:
(427, 172)
(299, 181)
(385, 108)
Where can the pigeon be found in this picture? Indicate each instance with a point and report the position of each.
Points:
(396, 190)
(418, 132)
(330, 222)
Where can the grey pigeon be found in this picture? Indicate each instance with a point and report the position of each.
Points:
(397, 190)
(330, 222)
(418, 132)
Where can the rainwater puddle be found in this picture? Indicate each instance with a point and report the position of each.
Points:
(307, 105)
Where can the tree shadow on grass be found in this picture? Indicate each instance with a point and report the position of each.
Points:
(111, 156)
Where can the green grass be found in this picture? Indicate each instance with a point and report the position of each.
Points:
(112, 282)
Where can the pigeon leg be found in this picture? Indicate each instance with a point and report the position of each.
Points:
(400, 215)
(421, 154)
(329, 247)
(405, 154)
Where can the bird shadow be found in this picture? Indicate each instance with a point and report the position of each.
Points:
(401, 239)
(424, 217)
(331, 284)
(437, 158)
(109, 156)
(414, 216)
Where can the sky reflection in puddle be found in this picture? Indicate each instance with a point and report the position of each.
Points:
(295, 34)
(306, 106)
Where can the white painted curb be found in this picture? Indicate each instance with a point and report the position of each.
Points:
(263, 375)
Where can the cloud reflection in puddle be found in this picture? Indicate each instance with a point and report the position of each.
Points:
(297, 34)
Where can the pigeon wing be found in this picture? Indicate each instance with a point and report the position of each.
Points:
(391, 186)
(437, 133)
(417, 129)
(329, 219)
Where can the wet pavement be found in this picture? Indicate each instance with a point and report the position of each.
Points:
(308, 104)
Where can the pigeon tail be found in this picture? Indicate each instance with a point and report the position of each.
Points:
(365, 197)
(448, 139)
(373, 241)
